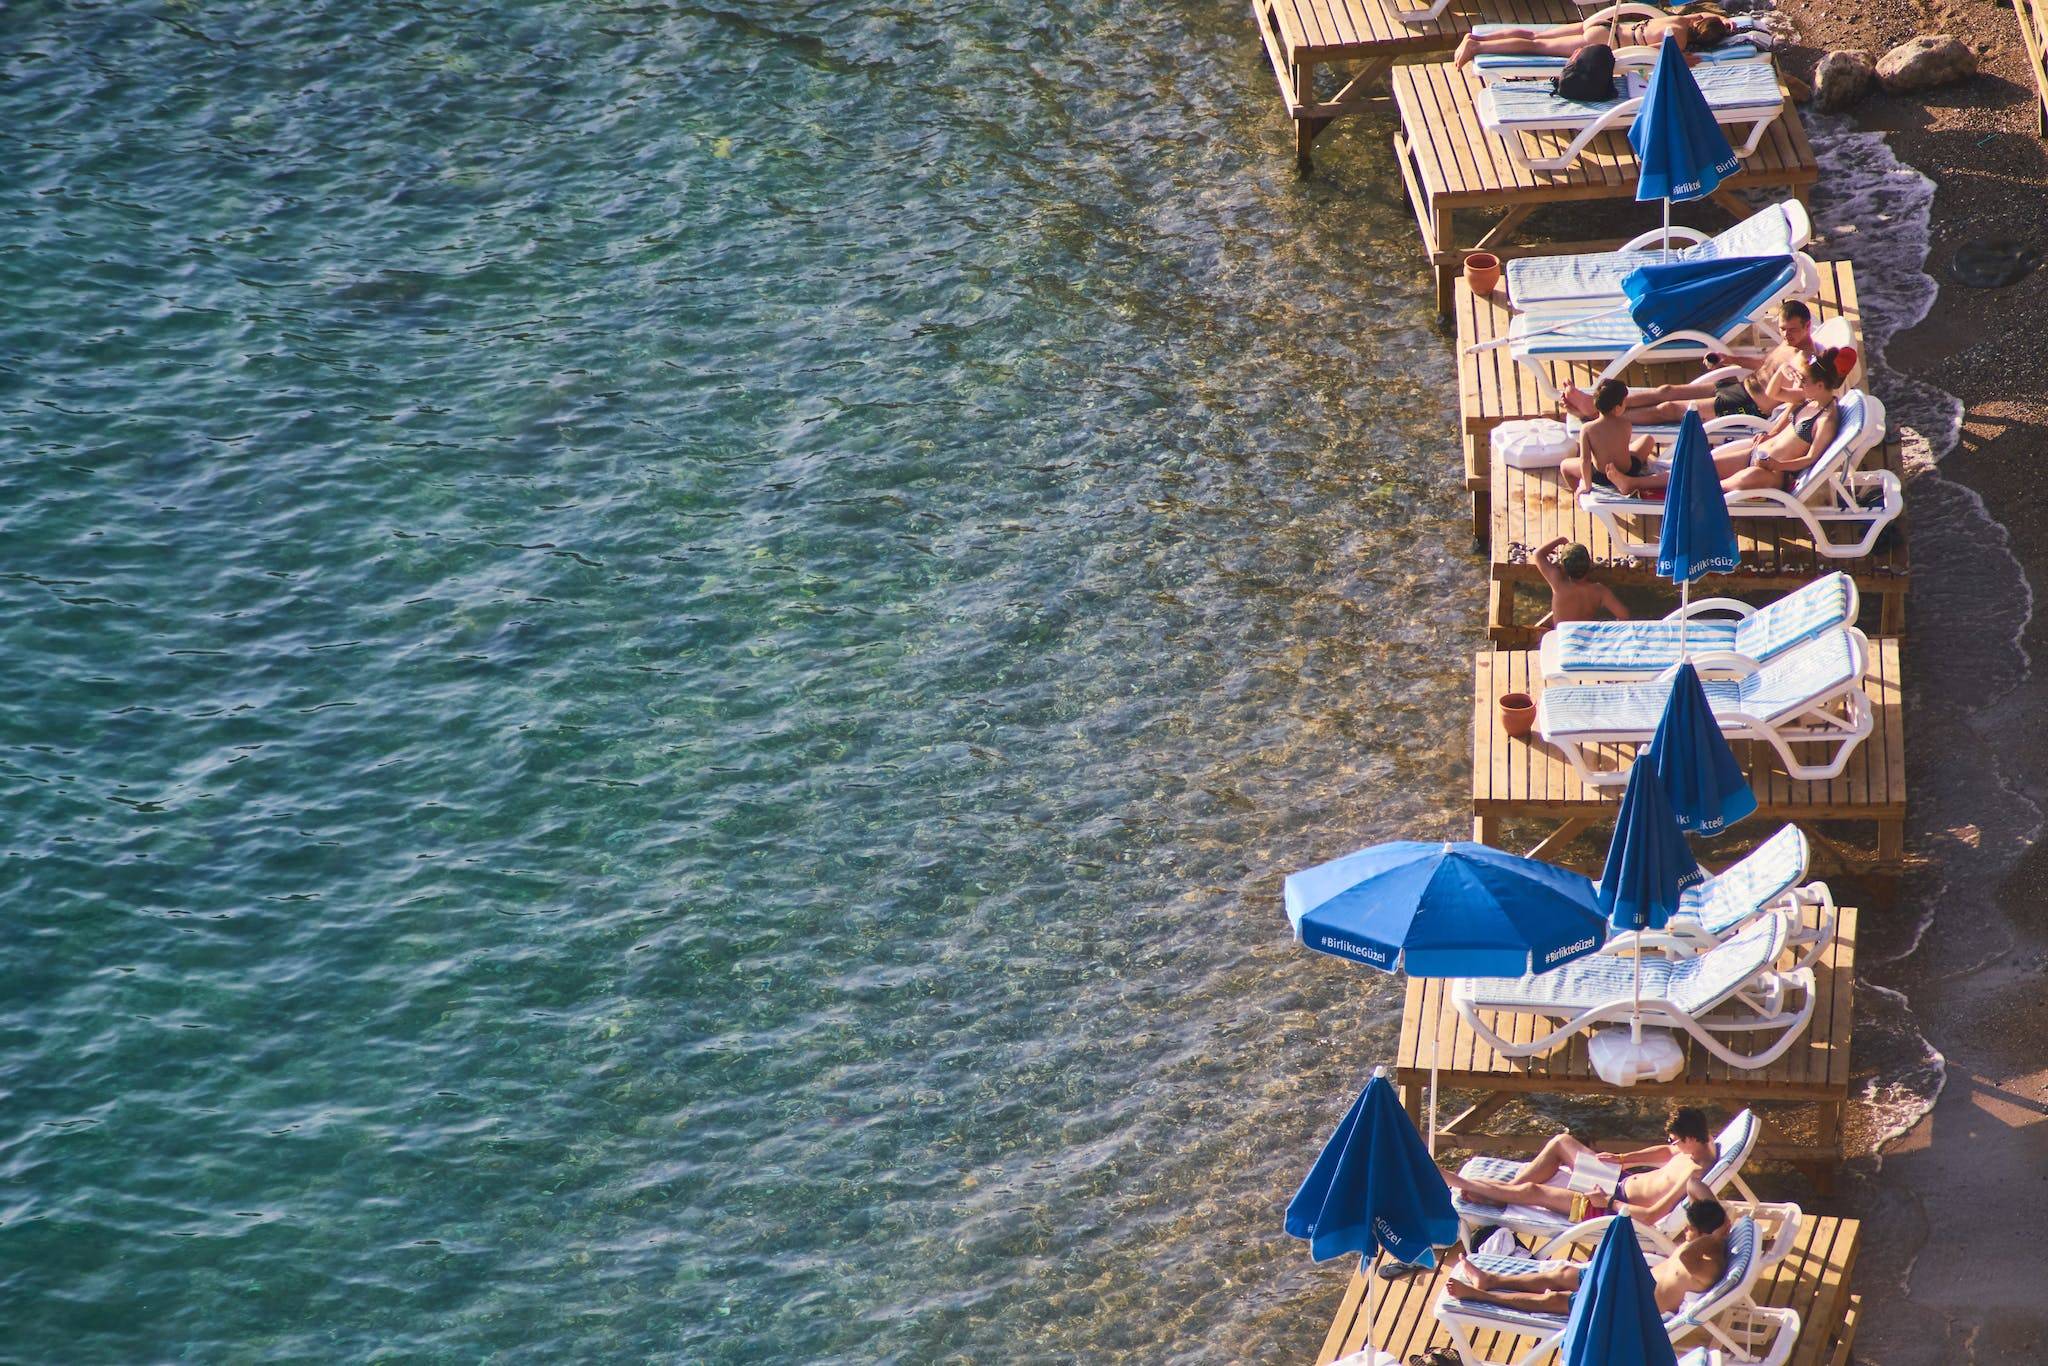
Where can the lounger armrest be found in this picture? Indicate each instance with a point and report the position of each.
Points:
(1722, 663)
(1655, 236)
(1706, 605)
(1585, 1231)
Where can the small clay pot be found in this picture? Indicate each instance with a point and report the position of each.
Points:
(1482, 272)
(1517, 714)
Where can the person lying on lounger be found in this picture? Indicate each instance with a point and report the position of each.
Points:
(1701, 1257)
(1799, 432)
(1654, 1179)
(1610, 453)
(1773, 380)
(1694, 32)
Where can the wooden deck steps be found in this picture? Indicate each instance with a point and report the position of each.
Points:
(1526, 509)
(1813, 1074)
(1527, 779)
(1357, 41)
(1813, 1278)
(1453, 166)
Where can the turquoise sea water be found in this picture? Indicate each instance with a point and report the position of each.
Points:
(664, 660)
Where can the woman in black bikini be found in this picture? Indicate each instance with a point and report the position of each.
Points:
(1798, 435)
(1694, 32)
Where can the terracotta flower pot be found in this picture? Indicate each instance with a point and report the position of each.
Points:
(1517, 714)
(1482, 272)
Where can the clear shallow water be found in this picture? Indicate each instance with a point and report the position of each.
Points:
(664, 661)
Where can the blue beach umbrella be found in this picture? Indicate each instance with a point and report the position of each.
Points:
(1614, 1319)
(1705, 786)
(1648, 865)
(1374, 1188)
(1445, 910)
(1709, 295)
(1698, 536)
(1679, 145)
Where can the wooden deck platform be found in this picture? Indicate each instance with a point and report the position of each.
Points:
(1813, 1074)
(1358, 41)
(1527, 508)
(1528, 779)
(1452, 166)
(1813, 1278)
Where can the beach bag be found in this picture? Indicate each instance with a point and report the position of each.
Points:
(1537, 443)
(1588, 76)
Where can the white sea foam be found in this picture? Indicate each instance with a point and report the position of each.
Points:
(1873, 210)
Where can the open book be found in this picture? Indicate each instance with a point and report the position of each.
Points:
(1590, 1176)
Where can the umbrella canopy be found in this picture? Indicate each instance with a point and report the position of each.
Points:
(1648, 861)
(1698, 536)
(1696, 768)
(1374, 1188)
(1708, 295)
(1682, 150)
(1614, 1319)
(1445, 910)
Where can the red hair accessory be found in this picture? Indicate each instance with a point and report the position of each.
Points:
(1845, 361)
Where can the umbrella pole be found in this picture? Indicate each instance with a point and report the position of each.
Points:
(1432, 1091)
(1684, 604)
(1667, 227)
(1635, 1011)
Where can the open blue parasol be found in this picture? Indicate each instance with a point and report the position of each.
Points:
(1708, 295)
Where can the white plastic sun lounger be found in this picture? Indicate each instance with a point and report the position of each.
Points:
(1743, 95)
(1576, 279)
(1726, 1314)
(1830, 493)
(1722, 636)
(1601, 331)
(1497, 66)
(1811, 696)
(1690, 994)
(1732, 1148)
(1767, 880)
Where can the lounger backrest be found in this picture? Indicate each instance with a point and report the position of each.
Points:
(1797, 617)
(1852, 414)
(1732, 1147)
(1770, 870)
(1737, 1277)
(1767, 232)
(1704, 981)
(1803, 675)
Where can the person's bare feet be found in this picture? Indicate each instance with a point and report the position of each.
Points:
(1459, 1290)
(1578, 401)
(1468, 48)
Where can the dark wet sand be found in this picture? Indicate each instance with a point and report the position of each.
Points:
(1955, 1264)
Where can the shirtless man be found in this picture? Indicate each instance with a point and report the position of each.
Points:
(1773, 380)
(1574, 596)
(1610, 453)
(1654, 1179)
(1701, 1257)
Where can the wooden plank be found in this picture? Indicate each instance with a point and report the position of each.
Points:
(1530, 779)
(1812, 1278)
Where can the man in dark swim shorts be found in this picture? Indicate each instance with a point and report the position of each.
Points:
(1773, 379)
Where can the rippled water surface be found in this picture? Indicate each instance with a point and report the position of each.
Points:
(663, 661)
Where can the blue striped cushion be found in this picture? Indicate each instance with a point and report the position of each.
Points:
(1743, 1240)
(1795, 619)
(1694, 984)
(1795, 678)
(1590, 275)
(1730, 897)
(1698, 984)
(1635, 646)
(1620, 708)
(1730, 88)
(1537, 61)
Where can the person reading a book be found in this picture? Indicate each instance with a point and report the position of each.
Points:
(1692, 1268)
(1574, 1179)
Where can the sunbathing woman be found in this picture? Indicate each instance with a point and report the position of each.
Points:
(1694, 32)
(1799, 432)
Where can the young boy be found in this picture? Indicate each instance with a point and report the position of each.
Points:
(1574, 596)
(1610, 453)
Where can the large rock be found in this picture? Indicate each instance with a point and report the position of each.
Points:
(1841, 79)
(1926, 62)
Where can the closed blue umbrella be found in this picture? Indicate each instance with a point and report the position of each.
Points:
(1708, 295)
(1696, 768)
(1679, 145)
(1648, 865)
(1445, 910)
(1614, 1319)
(1697, 537)
(1374, 1189)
